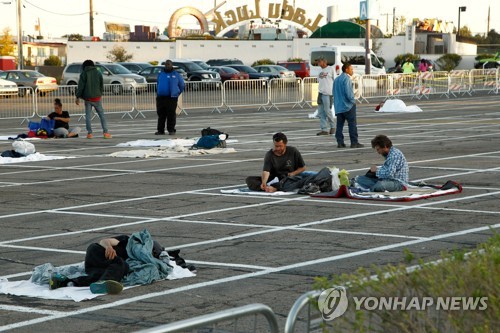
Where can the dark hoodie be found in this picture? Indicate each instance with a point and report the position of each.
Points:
(91, 84)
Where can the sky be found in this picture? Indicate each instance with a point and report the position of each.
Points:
(60, 17)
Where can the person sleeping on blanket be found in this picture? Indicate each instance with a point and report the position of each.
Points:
(391, 176)
(106, 263)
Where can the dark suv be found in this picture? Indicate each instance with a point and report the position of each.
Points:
(195, 72)
(301, 68)
(224, 62)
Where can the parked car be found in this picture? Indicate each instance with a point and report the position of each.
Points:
(253, 74)
(112, 73)
(8, 88)
(195, 72)
(151, 74)
(28, 78)
(277, 70)
(224, 62)
(201, 63)
(228, 73)
(301, 68)
(135, 67)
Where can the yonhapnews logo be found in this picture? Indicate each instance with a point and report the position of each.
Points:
(333, 302)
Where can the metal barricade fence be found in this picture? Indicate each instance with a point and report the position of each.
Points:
(20, 106)
(145, 101)
(202, 95)
(246, 93)
(285, 91)
(309, 91)
(483, 79)
(214, 318)
(376, 86)
(309, 322)
(458, 83)
(119, 98)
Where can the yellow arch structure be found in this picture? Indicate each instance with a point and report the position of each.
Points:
(174, 19)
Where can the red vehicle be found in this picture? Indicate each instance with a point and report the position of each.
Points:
(228, 73)
(301, 68)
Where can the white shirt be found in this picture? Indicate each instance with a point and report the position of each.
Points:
(325, 80)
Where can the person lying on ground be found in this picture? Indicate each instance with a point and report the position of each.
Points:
(391, 176)
(280, 162)
(106, 265)
(61, 118)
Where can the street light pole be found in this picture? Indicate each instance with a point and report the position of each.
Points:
(20, 61)
(460, 9)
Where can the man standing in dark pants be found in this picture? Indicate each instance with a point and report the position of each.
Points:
(170, 87)
(345, 107)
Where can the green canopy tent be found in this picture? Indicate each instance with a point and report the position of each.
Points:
(345, 29)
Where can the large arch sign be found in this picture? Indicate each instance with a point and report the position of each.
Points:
(242, 14)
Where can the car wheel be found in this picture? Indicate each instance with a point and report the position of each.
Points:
(196, 85)
(116, 88)
(72, 87)
(22, 91)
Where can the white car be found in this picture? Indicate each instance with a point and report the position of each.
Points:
(277, 70)
(8, 88)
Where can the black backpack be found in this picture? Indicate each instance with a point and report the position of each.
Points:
(212, 131)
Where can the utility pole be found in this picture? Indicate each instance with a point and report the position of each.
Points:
(488, 27)
(20, 61)
(393, 20)
(91, 19)
(386, 22)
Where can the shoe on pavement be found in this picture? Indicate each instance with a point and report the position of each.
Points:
(89, 136)
(57, 280)
(159, 133)
(106, 287)
(107, 136)
(357, 145)
(322, 133)
(332, 130)
(341, 145)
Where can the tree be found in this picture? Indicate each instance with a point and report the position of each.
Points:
(74, 37)
(449, 61)
(6, 43)
(119, 54)
(465, 31)
(53, 60)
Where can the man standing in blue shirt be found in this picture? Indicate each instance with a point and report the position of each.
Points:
(345, 107)
(391, 176)
(170, 87)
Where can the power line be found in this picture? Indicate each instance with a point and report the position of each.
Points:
(51, 12)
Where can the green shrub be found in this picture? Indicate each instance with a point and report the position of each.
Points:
(401, 58)
(484, 56)
(455, 275)
(263, 62)
(52, 61)
(449, 61)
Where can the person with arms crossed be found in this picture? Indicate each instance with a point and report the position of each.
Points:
(325, 90)
(170, 87)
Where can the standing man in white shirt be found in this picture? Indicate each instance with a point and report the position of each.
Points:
(325, 98)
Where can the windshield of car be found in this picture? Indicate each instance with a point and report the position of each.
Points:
(229, 70)
(32, 74)
(191, 66)
(246, 69)
(117, 69)
(328, 55)
(202, 64)
(280, 68)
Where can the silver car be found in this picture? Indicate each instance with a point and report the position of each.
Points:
(117, 75)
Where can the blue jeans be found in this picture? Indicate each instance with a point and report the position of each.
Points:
(325, 113)
(350, 116)
(100, 112)
(379, 185)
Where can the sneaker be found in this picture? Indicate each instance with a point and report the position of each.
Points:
(357, 145)
(322, 133)
(89, 136)
(106, 287)
(171, 133)
(107, 136)
(159, 133)
(341, 145)
(57, 280)
(332, 130)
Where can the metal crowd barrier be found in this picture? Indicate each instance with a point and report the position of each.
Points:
(21, 106)
(246, 93)
(215, 318)
(285, 91)
(311, 321)
(129, 101)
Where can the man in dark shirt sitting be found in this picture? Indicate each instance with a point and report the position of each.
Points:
(280, 162)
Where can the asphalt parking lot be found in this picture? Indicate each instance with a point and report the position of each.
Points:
(247, 249)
